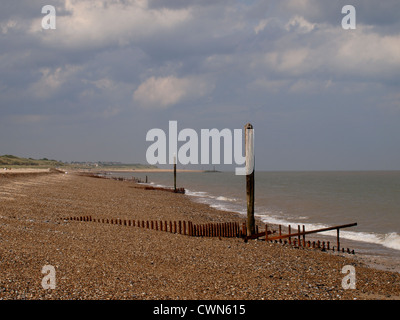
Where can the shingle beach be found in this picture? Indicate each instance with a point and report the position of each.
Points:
(94, 260)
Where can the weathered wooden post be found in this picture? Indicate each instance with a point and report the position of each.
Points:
(298, 233)
(249, 147)
(174, 172)
(337, 240)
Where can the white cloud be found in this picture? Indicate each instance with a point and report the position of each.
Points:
(331, 52)
(93, 23)
(300, 25)
(261, 25)
(164, 92)
(51, 80)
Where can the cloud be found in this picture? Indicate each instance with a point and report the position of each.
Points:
(99, 24)
(288, 63)
(52, 80)
(164, 92)
(326, 52)
(300, 24)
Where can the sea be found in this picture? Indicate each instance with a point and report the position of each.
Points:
(315, 199)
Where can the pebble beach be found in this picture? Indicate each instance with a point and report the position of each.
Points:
(95, 260)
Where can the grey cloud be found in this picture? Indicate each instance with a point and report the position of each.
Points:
(286, 66)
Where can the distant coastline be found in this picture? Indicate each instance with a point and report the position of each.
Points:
(151, 170)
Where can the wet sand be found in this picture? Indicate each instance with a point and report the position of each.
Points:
(103, 261)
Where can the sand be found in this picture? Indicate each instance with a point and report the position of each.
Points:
(103, 261)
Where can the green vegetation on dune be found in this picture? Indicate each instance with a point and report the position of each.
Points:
(13, 161)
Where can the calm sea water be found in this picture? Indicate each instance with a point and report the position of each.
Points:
(313, 199)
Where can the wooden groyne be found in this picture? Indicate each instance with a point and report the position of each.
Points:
(227, 230)
(104, 176)
(177, 190)
(134, 180)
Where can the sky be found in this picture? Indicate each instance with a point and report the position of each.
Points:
(318, 96)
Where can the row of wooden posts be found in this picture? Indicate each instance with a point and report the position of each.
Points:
(225, 230)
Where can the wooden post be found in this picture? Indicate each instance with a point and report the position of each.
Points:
(174, 172)
(290, 239)
(304, 236)
(236, 229)
(337, 240)
(298, 231)
(266, 233)
(249, 147)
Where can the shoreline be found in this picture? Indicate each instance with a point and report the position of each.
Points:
(373, 259)
(150, 170)
(151, 264)
(377, 257)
